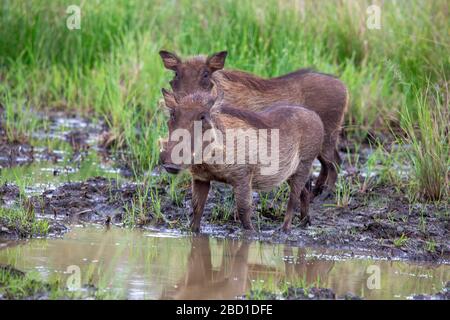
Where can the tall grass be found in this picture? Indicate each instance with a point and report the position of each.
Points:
(429, 145)
(111, 68)
(23, 222)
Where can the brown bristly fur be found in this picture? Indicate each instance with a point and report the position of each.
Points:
(324, 94)
(300, 141)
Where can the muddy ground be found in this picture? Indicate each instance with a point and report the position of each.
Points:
(369, 227)
(378, 222)
(14, 153)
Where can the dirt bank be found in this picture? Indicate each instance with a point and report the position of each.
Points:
(293, 293)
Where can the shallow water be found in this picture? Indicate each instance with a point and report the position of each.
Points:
(55, 161)
(146, 264)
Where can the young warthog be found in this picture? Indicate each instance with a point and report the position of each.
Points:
(324, 94)
(293, 134)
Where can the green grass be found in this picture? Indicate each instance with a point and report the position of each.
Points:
(18, 120)
(224, 211)
(16, 285)
(430, 245)
(345, 188)
(111, 68)
(138, 211)
(429, 146)
(272, 288)
(401, 241)
(23, 222)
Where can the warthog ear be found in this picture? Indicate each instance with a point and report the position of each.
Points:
(169, 98)
(216, 61)
(170, 60)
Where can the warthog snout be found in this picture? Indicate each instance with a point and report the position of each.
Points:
(172, 168)
(165, 160)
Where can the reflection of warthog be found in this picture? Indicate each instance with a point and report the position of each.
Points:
(232, 277)
(311, 270)
(203, 282)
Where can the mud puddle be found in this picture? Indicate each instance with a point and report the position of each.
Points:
(149, 264)
(61, 145)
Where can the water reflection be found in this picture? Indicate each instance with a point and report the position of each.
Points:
(235, 274)
(202, 281)
(310, 270)
(138, 264)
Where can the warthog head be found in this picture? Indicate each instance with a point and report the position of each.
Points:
(189, 119)
(193, 74)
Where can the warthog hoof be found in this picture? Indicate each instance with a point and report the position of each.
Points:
(249, 233)
(326, 194)
(305, 221)
(285, 229)
(194, 227)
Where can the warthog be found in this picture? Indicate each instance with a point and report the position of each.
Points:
(293, 134)
(324, 94)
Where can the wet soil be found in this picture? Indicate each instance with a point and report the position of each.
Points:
(371, 226)
(96, 200)
(14, 153)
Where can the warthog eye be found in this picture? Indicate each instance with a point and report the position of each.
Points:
(205, 75)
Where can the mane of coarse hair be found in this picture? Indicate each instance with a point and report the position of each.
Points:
(261, 84)
(251, 117)
(195, 60)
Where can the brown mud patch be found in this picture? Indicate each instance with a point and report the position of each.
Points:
(9, 193)
(97, 200)
(14, 153)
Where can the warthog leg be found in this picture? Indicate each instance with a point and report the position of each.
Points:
(328, 172)
(243, 198)
(200, 191)
(299, 197)
(320, 182)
